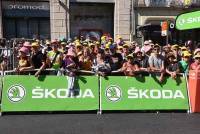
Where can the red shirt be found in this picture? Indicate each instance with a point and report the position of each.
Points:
(194, 66)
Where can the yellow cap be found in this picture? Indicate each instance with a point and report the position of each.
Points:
(186, 54)
(119, 37)
(35, 44)
(175, 46)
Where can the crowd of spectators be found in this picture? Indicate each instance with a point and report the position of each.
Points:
(106, 56)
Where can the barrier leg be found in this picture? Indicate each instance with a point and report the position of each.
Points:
(188, 93)
(99, 88)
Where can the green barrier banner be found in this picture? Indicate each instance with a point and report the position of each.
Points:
(143, 93)
(27, 93)
(188, 21)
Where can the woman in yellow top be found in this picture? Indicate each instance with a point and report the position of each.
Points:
(24, 60)
(85, 60)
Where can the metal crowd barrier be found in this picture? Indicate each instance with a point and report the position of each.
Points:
(104, 86)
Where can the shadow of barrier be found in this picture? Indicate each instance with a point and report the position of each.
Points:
(26, 93)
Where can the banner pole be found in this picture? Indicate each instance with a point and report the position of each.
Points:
(1, 90)
(188, 93)
(100, 101)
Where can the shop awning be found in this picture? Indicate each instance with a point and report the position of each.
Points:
(26, 13)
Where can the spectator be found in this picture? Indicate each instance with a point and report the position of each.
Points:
(129, 67)
(196, 64)
(115, 58)
(141, 60)
(24, 60)
(100, 66)
(71, 68)
(37, 60)
(54, 57)
(85, 60)
(197, 51)
(156, 62)
(175, 50)
(184, 63)
(172, 67)
(125, 51)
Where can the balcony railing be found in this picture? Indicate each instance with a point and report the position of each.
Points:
(167, 3)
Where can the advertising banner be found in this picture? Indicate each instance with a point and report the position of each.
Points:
(49, 93)
(188, 21)
(143, 93)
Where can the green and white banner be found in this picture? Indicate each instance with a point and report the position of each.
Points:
(27, 93)
(188, 21)
(143, 93)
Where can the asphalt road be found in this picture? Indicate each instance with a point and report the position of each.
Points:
(117, 123)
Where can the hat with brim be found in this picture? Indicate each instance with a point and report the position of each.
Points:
(156, 46)
(186, 54)
(175, 46)
(24, 50)
(196, 51)
(126, 45)
(146, 42)
(197, 56)
(130, 56)
(35, 44)
(147, 49)
(63, 43)
(183, 48)
(137, 50)
(92, 45)
(85, 44)
(71, 53)
(78, 45)
(120, 47)
(27, 44)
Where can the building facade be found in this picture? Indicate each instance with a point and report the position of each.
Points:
(65, 18)
(149, 14)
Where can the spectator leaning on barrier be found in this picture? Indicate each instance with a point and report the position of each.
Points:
(141, 60)
(196, 64)
(70, 67)
(175, 50)
(85, 60)
(37, 60)
(24, 60)
(115, 58)
(129, 67)
(156, 62)
(54, 57)
(100, 66)
(185, 62)
(172, 66)
(125, 51)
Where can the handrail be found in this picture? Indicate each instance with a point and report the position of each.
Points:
(84, 71)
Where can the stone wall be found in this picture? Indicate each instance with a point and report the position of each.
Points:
(122, 21)
(59, 18)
